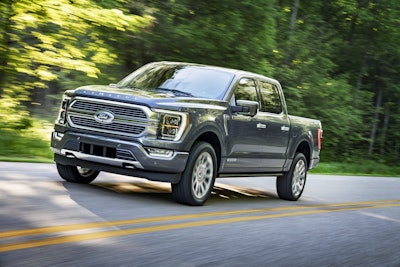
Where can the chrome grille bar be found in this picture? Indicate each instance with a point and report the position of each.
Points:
(129, 119)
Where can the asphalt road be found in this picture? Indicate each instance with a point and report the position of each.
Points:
(124, 221)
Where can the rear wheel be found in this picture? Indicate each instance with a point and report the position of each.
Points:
(76, 174)
(198, 179)
(290, 186)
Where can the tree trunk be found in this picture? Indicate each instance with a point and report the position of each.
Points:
(5, 31)
(360, 76)
(293, 17)
(384, 131)
(375, 119)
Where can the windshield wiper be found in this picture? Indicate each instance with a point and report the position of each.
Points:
(175, 92)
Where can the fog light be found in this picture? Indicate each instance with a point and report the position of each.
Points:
(159, 152)
(58, 136)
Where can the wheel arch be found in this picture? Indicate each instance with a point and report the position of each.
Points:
(214, 141)
(304, 148)
(211, 133)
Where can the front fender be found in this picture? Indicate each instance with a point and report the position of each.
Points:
(202, 130)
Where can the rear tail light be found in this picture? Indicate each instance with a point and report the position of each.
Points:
(320, 139)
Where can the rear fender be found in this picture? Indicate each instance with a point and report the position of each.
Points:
(301, 144)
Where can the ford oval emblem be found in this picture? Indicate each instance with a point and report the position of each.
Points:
(104, 117)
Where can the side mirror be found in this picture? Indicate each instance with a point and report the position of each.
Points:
(246, 107)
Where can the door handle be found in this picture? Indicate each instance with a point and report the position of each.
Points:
(261, 126)
(285, 128)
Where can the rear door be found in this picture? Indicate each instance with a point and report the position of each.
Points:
(276, 135)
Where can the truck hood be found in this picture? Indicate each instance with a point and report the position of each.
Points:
(151, 99)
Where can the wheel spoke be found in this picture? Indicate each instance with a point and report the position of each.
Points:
(198, 189)
(85, 172)
(202, 175)
(298, 178)
(202, 188)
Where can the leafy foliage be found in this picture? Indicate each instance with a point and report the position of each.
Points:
(48, 43)
(337, 60)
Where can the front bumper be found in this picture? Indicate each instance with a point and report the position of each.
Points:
(118, 156)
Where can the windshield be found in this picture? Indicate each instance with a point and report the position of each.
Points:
(181, 80)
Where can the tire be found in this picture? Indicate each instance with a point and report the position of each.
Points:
(76, 174)
(198, 178)
(290, 186)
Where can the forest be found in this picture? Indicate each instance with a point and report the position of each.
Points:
(338, 61)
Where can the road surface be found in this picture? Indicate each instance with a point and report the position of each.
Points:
(124, 221)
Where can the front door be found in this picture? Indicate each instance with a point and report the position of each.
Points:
(246, 140)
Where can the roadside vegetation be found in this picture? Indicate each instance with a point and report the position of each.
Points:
(27, 145)
(366, 168)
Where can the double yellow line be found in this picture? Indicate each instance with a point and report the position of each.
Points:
(53, 235)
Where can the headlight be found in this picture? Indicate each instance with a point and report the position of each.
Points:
(62, 114)
(172, 125)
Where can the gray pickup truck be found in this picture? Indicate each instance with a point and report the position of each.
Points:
(185, 124)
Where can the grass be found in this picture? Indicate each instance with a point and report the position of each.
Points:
(364, 168)
(28, 145)
(33, 145)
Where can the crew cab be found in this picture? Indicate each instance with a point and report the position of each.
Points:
(185, 124)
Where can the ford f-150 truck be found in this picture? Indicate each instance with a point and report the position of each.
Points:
(185, 124)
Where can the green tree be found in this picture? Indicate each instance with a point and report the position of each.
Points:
(369, 55)
(337, 60)
(238, 34)
(313, 85)
(45, 43)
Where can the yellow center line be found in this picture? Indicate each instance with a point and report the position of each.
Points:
(92, 225)
(83, 226)
(318, 209)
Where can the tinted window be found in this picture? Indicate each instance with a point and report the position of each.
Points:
(270, 100)
(246, 90)
(194, 80)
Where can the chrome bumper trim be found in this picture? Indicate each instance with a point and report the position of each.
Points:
(110, 161)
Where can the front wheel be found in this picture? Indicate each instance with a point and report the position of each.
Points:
(290, 186)
(76, 174)
(198, 179)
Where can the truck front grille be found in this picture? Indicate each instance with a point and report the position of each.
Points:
(117, 110)
(116, 127)
(128, 119)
